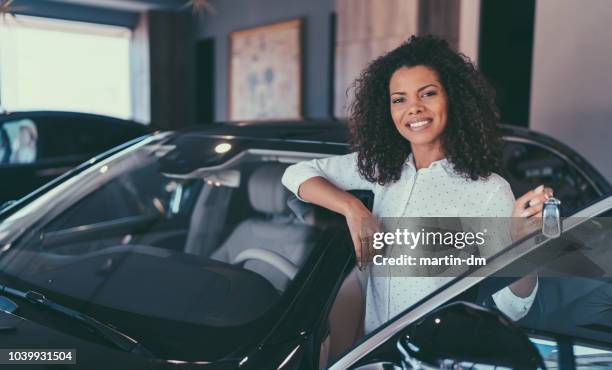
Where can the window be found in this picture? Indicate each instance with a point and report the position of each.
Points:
(18, 142)
(61, 65)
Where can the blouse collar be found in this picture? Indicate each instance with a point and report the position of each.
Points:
(441, 163)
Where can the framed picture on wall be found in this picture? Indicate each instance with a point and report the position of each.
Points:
(265, 73)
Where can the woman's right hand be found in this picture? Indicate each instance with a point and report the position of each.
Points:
(362, 225)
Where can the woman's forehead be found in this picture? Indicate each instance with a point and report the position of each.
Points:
(413, 78)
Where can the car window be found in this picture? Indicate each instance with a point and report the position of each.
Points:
(62, 137)
(589, 357)
(528, 165)
(570, 309)
(585, 356)
(140, 192)
(571, 306)
(5, 146)
(569, 318)
(69, 136)
(548, 349)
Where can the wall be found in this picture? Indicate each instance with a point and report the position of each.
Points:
(469, 28)
(570, 90)
(365, 31)
(171, 66)
(232, 15)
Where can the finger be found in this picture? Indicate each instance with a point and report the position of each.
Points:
(538, 199)
(548, 193)
(357, 247)
(364, 250)
(370, 248)
(532, 211)
(367, 250)
(530, 195)
(535, 201)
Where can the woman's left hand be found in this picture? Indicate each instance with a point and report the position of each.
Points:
(531, 203)
(527, 211)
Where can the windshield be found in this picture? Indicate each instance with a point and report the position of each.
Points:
(182, 242)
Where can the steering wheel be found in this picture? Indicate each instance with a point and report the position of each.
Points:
(279, 262)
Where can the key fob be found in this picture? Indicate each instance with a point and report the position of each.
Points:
(551, 218)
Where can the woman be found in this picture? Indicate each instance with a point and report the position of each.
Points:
(423, 124)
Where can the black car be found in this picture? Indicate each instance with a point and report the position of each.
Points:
(183, 251)
(36, 147)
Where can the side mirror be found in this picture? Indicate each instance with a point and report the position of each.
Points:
(461, 335)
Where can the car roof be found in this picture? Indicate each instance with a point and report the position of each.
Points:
(317, 130)
(327, 131)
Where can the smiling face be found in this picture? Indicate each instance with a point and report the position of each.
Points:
(418, 105)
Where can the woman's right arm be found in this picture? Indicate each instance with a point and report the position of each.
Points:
(323, 182)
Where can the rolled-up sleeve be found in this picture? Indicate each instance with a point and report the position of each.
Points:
(512, 305)
(496, 219)
(341, 171)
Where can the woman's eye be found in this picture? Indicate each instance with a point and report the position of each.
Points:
(429, 93)
(397, 100)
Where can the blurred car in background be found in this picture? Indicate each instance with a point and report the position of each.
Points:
(36, 147)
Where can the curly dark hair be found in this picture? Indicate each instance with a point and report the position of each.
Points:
(469, 140)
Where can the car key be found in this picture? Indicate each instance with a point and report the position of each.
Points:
(551, 218)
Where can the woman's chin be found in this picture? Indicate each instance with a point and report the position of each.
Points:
(420, 139)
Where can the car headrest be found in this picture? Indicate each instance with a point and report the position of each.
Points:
(266, 192)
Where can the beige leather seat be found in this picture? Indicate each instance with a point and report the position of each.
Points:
(275, 232)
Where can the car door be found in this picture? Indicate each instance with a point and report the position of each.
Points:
(569, 322)
(36, 147)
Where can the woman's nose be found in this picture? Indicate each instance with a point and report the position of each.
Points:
(415, 108)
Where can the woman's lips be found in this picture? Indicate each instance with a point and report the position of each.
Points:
(419, 125)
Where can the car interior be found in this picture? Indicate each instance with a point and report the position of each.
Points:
(270, 241)
(247, 223)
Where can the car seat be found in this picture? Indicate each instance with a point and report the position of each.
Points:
(274, 235)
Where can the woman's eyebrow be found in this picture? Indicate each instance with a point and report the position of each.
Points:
(426, 86)
(419, 90)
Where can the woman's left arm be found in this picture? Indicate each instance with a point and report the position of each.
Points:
(516, 299)
(529, 205)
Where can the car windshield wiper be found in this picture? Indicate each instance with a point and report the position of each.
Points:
(112, 335)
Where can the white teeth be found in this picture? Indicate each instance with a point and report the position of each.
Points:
(419, 124)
